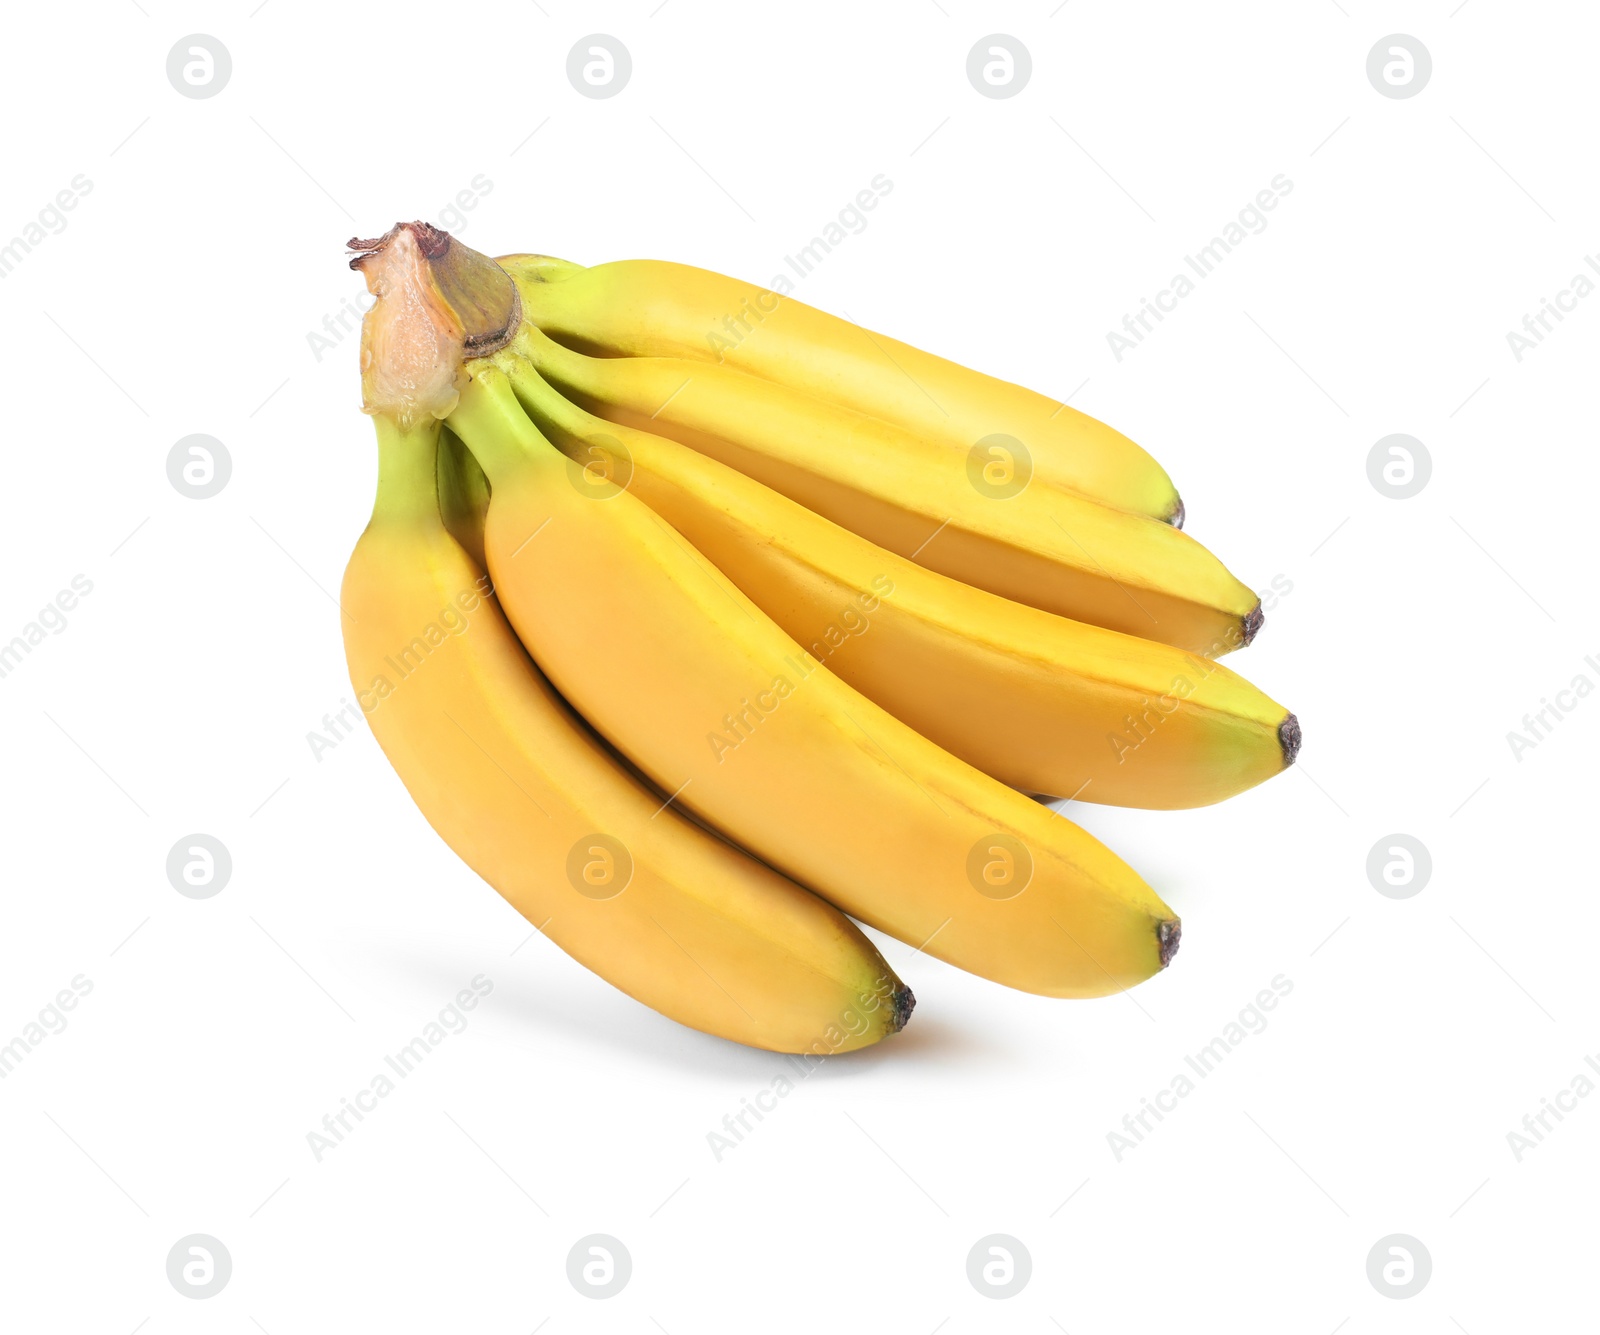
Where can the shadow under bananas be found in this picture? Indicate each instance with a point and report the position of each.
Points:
(542, 992)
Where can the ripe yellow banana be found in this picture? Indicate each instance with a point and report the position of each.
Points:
(515, 782)
(722, 710)
(649, 308)
(963, 516)
(1041, 703)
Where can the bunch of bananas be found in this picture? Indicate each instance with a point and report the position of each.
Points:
(695, 619)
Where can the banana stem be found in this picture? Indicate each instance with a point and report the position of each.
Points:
(438, 302)
(491, 422)
(408, 453)
(463, 494)
(550, 409)
(553, 361)
(538, 268)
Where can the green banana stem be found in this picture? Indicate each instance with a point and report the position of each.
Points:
(538, 268)
(493, 426)
(550, 409)
(559, 366)
(463, 494)
(408, 489)
(443, 310)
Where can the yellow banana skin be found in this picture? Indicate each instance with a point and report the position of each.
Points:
(651, 308)
(515, 783)
(1049, 548)
(721, 709)
(1041, 703)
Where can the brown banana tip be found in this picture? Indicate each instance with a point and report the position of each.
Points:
(1177, 516)
(1168, 934)
(1289, 738)
(1254, 620)
(901, 1006)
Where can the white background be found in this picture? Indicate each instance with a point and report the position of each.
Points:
(180, 298)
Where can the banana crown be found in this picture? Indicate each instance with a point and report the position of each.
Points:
(438, 303)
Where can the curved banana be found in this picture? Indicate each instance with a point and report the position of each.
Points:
(529, 798)
(463, 495)
(722, 710)
(965, 516)
(655, 309)
(1041, 703)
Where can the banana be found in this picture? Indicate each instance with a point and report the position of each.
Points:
(511, 778)
(1043, 704)
(724, 712)
(654, 309)
(463, 495)
(967, 516)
